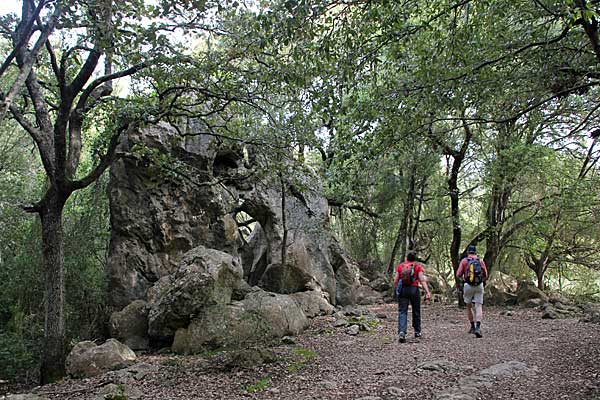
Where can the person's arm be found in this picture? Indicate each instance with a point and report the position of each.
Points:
(423, 281)
(396, 279)
(459, 272)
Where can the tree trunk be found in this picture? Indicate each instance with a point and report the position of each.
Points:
(408, 212)
(456, 238)
(417, 218)
(399, 238)
(283, 222)
(53, 357)
(403, 231)
(540, 278)
(492, 251)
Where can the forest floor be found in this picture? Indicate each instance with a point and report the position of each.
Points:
(520, 356)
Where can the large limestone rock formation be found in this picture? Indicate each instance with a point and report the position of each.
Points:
(177, 201)
(157, 215)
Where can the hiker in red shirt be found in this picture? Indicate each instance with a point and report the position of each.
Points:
(473, 271)
(406, 281)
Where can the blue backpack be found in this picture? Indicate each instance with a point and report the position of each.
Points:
(407, 277)
(474, 275)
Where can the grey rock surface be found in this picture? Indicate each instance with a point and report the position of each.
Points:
(205, 277)
(88, 359)
(259, 318)
(130, 325)
(179, 242)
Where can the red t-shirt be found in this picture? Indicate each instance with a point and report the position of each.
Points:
(418, 269)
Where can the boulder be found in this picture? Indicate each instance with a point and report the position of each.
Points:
(313, 303)
(313, 259)
(556, 297)
(281, 312)
(549, 312)
(533, 303)
(502, 281)
(353, 330)
(498, 295)
(130, 325)
(435, 284)
(204, 277)
(527, 290)
(371, 269)
(500, 289)
(591, 313)
(380, 284)
(440, 365)
(346, 274)
(366, 295)
(258, 319)
(88, 359)
(243, 359)
(118, 392)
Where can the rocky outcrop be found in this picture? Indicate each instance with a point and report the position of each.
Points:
(130, 325)
(469, 387)
(88, 359)
(163, 204)
(313, 303)
(499, 296)
(194, 227)
(527, 291)
(500, 289)
(205, 277)
(367, 295)
(260, 317)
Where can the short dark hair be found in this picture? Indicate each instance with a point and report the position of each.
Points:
(472, 249)
(411, 256)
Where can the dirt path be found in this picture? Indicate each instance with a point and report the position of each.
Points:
(544, 359)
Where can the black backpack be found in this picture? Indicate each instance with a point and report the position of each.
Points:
(474, 274)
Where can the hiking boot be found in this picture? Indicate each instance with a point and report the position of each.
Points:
(402, 337)
(418, 335)
(478, 332)
(472, 330)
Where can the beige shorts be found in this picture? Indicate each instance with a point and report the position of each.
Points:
(473, 294)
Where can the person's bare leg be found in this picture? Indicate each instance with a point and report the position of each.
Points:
(478, 313)
(470, 317)
(478, 317)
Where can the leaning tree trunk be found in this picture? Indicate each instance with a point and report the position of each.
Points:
(457, 158)
(53, 357)
(402, 236)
